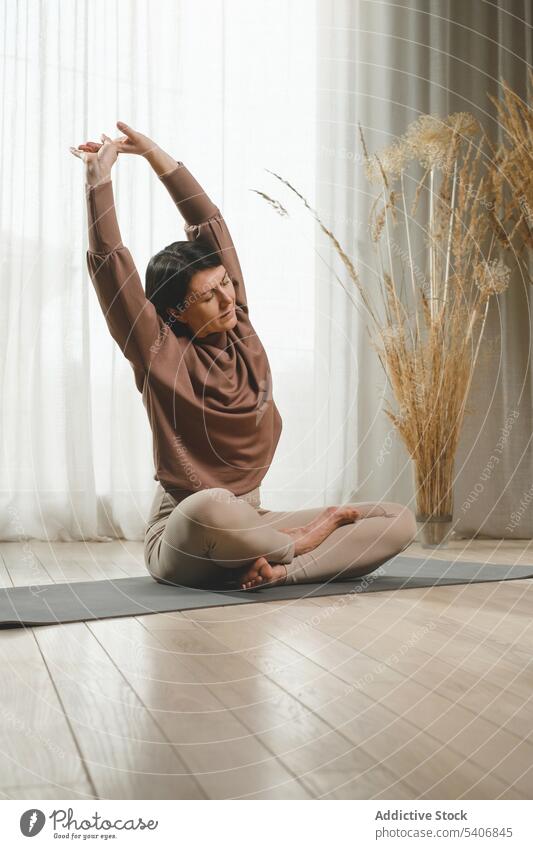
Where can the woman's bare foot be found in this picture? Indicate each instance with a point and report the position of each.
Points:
(306, 538)
(263, 574)
(310, 536)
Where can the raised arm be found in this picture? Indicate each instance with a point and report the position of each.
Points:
(203, 220)
(132, 319)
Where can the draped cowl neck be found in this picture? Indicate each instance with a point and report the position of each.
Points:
(215, 394)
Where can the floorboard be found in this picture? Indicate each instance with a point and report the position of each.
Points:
(423, 693)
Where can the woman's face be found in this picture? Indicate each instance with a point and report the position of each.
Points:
(210, 302)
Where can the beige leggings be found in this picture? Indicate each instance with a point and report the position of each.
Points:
(207, 538)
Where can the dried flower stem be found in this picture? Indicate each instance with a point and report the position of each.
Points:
(431, 246)
(450, 230)
(430, 369)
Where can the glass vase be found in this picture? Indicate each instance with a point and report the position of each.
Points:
(434, 531)
(434, 501)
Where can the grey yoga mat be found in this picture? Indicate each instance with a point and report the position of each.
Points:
(49, 604)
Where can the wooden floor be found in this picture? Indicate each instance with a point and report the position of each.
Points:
(414, 694)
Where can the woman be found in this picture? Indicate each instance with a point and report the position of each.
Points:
(205, 382)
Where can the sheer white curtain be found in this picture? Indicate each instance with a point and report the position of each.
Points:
(226, 87)
(382, 64)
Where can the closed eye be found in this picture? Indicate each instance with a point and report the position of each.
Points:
(225, 282)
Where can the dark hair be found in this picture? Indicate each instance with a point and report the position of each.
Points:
(169, 272)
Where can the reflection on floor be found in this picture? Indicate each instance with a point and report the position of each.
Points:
(417, 694)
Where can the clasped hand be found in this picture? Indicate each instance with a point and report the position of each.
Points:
(99, 157)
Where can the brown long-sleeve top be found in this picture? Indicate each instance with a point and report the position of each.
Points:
(209, 401)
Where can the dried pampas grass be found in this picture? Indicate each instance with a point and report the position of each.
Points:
(512, 172)
(427, 332)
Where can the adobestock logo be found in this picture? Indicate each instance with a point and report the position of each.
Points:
(32, 822)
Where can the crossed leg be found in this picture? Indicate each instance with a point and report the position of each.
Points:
(213, 528)
(211, 533)
(382, 530)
